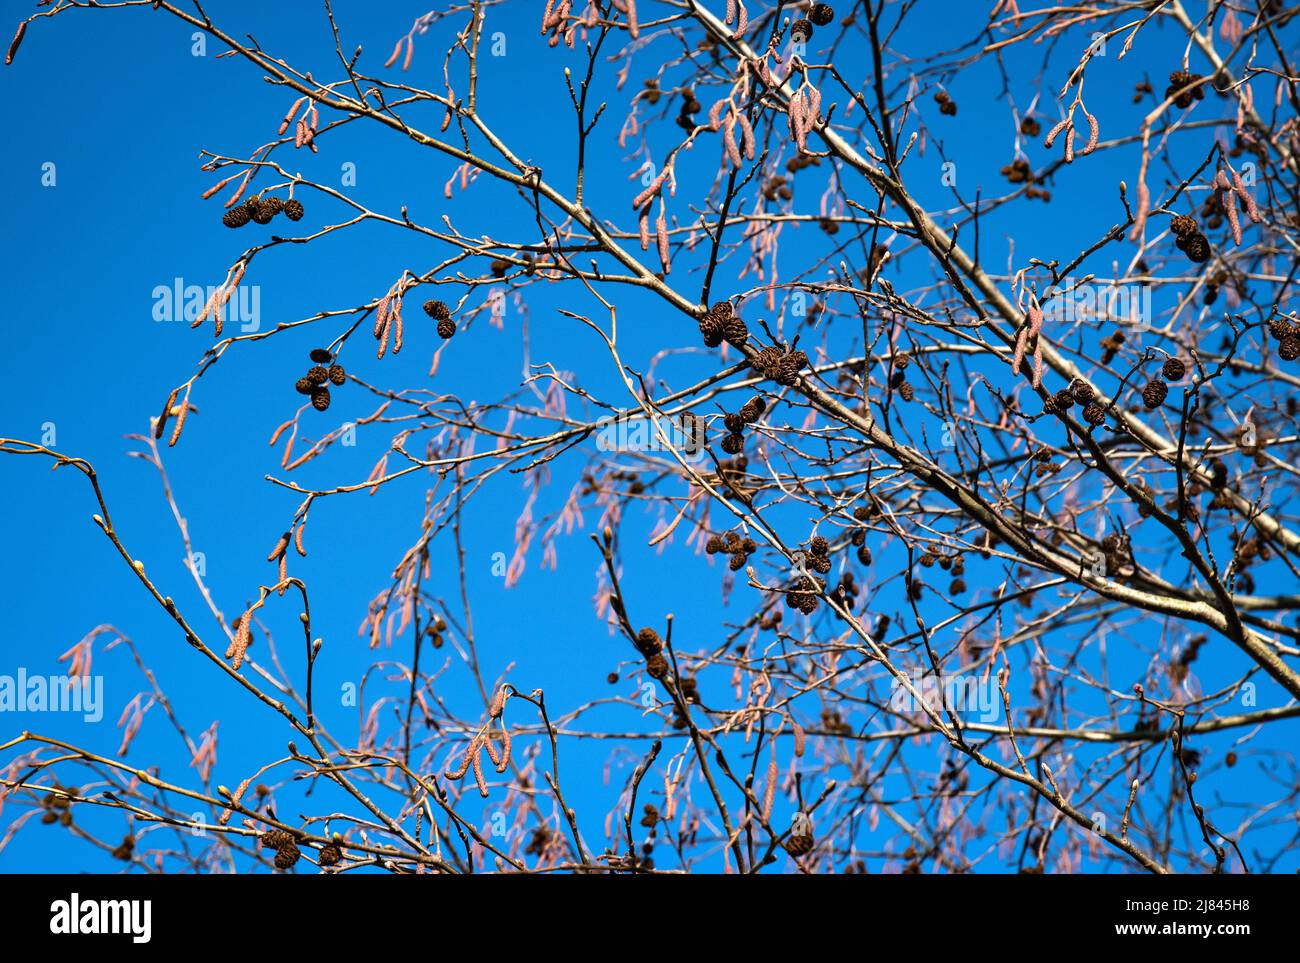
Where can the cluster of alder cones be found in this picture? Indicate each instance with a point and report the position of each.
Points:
(779, 365)
(947, 106)
(721, 323)
(287, 852)
(1177, 81)
(261, 210)
(735, 422)
(898, 380)
(1189, 239)
(818, 557)
(732, 544)
(1287, 335)
(651, 646)
(318, 376)
(819, 15)
(441, 314)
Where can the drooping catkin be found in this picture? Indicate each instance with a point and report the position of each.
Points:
(180, 420)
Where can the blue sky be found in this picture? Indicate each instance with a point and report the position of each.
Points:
(120, 105)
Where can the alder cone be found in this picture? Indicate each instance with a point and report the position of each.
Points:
(1093, 413)
(437, 310)
(274, 839)
(1288, 348)
(293, 209)
(711, 326)
(799, 845)
(1174, 369)
(304, 386)
(320, 356)
(821, 14)
(320, 399)
(337, 374)
(446, 328)
(1182, 225)
(235, 217)
(286, 856)
(329, 855)
(1153, 395)
(734, 331)
(1197, 248)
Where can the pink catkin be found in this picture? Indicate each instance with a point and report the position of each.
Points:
(742, 17)
(729, 142)
(288, 118)
(1234, 220)
(661, 235)
(1094, 132)
(748, 135)
(1252, 210)
(1055, 132)
(643, 225)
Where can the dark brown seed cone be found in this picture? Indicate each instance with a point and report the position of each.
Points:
(712, 329)
(263, 214)
(752, 410)
(293, 209)
(733, 444)
(821, 14)
(864, 555)
(732, 541)
(1064, 400)
(286, 856)
(734, 422)
(235, 217)
(320, 399)
(337, 374)
(1081, 391)
(713, 545)
(437, 310)
(820, 564)
(799, 845)
(748, 546)
(1030, 127)
(734, 331)
(767, 362)
(737, 561)
(1094, 414)
(1182, 225)
(657, 666)
(251, 203)
(957, 587)
(801, 31)
(1153, 395)
(274, 838)
(446, 328)
(1050, 407)
(1198, 249)
(320, 356)
(906, 391)
(819, 545)
(318, 375)
(721, 310)
(787, 372)
(648, 641)
(329, 855)
(1288, 348)
(273, 204)
(1280, 328)
(1174, 369)
(304, 386)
